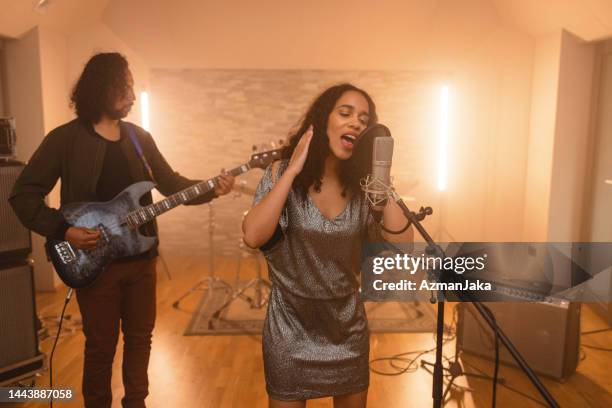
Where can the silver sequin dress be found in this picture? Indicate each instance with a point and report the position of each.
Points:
(315, 337)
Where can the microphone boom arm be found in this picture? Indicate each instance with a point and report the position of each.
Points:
(438, 384)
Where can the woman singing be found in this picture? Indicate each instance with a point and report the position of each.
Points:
(311, 219)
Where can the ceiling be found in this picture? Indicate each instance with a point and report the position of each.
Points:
(590, 20)
(18, 16)
(144, 24)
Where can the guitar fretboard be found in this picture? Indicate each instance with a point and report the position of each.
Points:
(149, 212)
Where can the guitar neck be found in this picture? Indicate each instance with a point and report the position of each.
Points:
(149, 212)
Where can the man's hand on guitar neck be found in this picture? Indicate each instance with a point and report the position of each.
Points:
(82, 238)
(225, 183)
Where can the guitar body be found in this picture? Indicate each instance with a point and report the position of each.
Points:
(80, 268)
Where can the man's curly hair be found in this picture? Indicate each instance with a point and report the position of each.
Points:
(351, 170)
(102, 81)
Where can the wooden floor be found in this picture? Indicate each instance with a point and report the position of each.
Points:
(227, 371)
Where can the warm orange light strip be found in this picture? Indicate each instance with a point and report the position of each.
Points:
(443, 140)
(144, 111)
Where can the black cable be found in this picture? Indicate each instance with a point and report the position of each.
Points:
(396, 232)
(59, 330)
(582, 354)
(394, 360)
(596, 331)
(504, 384)
(496, 369)
(409, 368)
(451, 377)
(590, 346)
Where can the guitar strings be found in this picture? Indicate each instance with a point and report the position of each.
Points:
(269, 157)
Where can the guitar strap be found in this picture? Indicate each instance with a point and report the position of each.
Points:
(139, 150)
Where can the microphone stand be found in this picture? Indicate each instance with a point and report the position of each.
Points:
(435, 249)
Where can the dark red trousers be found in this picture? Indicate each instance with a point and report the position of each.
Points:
(123, 295)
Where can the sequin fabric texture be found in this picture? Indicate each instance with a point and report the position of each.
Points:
(315, 338)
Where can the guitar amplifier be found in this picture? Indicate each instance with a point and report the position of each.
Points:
(7, 137)
(547, 334)
(15, 239)
(19, 354)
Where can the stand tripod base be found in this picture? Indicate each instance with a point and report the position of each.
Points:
(73, 324)
(259, 300)
(208, 283)
(456, 370)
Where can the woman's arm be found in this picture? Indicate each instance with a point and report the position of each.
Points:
(260, 223)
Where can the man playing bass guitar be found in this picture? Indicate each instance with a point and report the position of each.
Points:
(96, 158)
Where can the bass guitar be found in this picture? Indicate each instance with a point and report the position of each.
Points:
(118, 221)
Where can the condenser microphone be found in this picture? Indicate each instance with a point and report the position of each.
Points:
(377, 184)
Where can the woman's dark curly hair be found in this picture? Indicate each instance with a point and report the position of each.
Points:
(102, 81)
(351, 170)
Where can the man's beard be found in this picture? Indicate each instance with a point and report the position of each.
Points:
(117, 114)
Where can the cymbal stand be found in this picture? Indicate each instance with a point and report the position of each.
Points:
(210, 282)
(261, 287)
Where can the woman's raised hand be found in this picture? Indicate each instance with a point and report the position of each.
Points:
(298, 158)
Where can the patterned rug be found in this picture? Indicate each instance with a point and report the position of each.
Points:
(240, 318)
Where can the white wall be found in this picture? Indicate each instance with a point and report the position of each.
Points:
(572, 140)
(598, 214)
(54, 78)
(559, 138)
(541, 136)
(2, 78)
(599, 228)
(24, 90)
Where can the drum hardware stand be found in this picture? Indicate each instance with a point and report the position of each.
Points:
(70, 327)
(164, 264)
(258, 283)
(211, 282)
